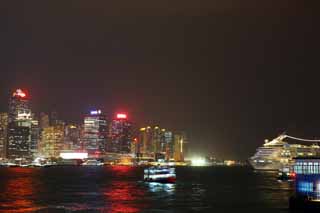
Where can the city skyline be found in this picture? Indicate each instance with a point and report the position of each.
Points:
(54, 115)
(230, 73)
(27, 135)
(159, 106)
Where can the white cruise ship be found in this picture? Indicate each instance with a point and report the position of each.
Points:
(275, 154)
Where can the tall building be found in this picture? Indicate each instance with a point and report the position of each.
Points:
(120, 135)
(180, 141)
(95, 132)
(18, 142)
(19, 107)
(159, 143)
(156, 139)
(169, 144)
(35, 137)
(153, 141)
(53, 118)
(145, 140)
(44, 121)
(19, 126)
(72, 137)
(52, 141)
(3, 133)
(135, 147)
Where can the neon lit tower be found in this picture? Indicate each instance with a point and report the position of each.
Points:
(180, 140)
(19, 126)
(19, 107)
(154, 142)
(120, 133)
(95, 133)
(3, 133)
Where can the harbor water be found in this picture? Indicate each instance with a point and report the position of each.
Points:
(121, 189)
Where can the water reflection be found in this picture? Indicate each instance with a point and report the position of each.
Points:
(124, 196)
(19, 192)
(121, 194)
(162, 187)
(121, 189)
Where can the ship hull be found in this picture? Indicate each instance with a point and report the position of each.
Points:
(265, 166)
(161, 180)
(276, 154)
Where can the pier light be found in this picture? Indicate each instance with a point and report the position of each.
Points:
(198, 162)
(74, 155)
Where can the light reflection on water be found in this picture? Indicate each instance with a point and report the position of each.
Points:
(121, 189)
(161, 187)
(123, 197)
(18, 192)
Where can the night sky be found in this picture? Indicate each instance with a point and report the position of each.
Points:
(229, 72)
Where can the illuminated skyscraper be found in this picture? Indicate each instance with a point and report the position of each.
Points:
(153, 141)
(19, 106)
(120, 134)
(72, 136)
(180, 141)
(135, 147)
(54, 118)
(3, 133)
(35, 137)
(52, 141)
(145, 140)
(43, 121)
(169, 144)
(95, 132)
(19, 126)
(18, 142)
(156, 139)
(159, 143)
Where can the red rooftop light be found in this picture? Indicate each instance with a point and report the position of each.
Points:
(19, 93)
(121, 116)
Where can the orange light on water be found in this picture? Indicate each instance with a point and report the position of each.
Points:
(123, 196)
(20, 192)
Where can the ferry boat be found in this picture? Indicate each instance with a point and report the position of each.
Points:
(92, 162)
(307, 184)
(9, 164)
(276, 154)
(160, 174)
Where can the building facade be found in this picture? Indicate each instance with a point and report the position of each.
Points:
(180, 141)
(18, 142)
(72, 137)
(145, 141)
(156, 142)
(95, 133)
(3, 133)
(44, 121)
(52, 141)
(169, 144)
(120, 135)
(35, 137)
(19, 126)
